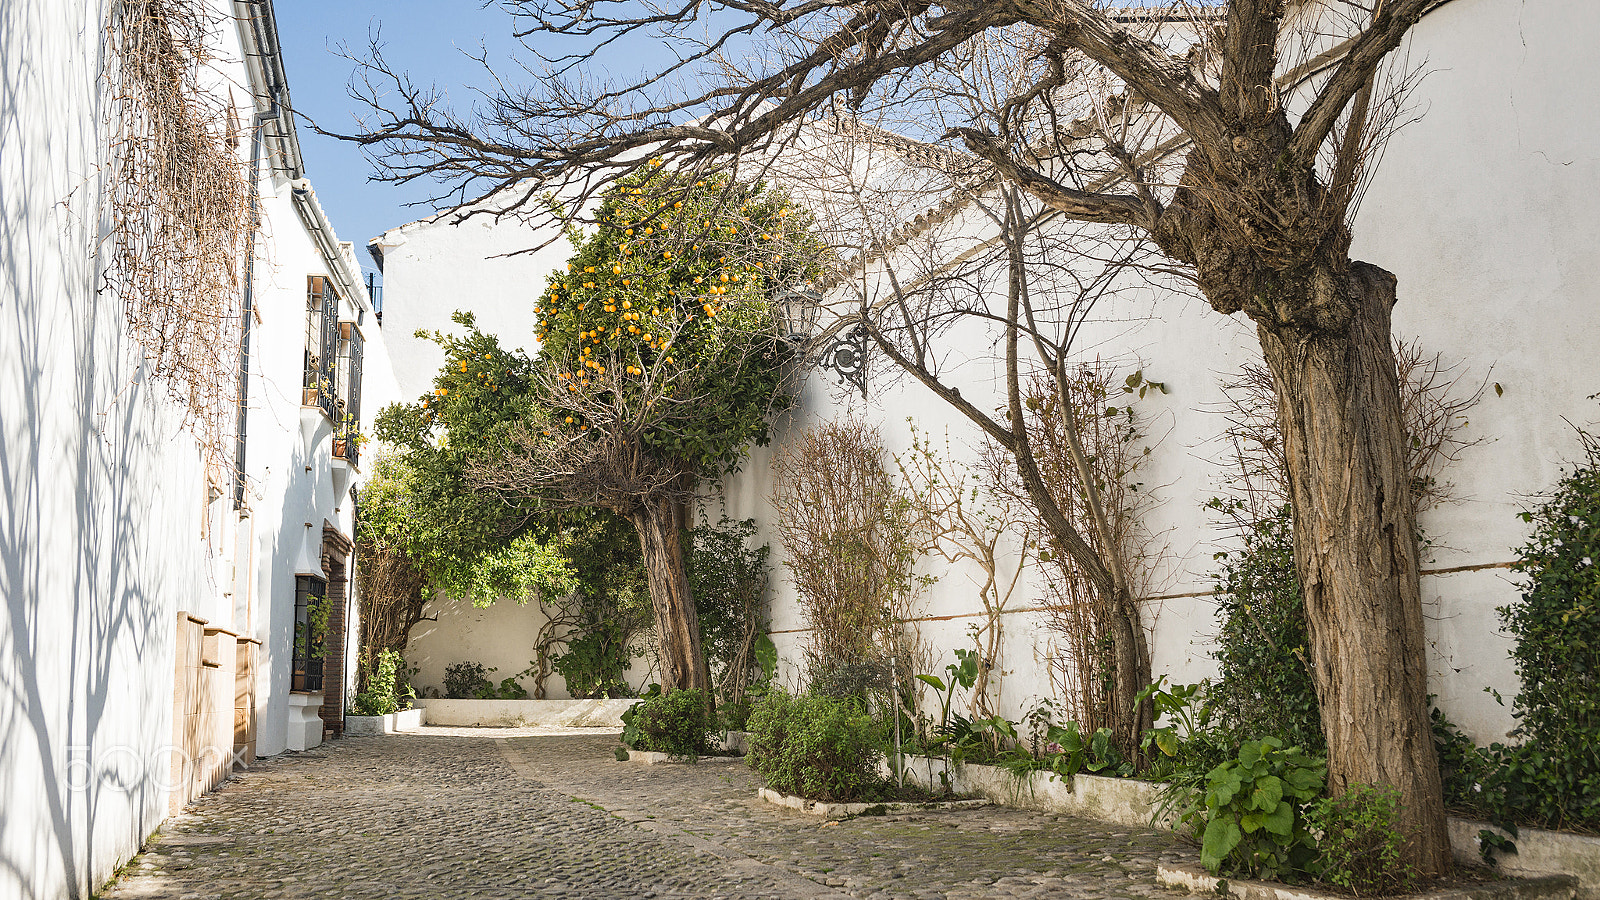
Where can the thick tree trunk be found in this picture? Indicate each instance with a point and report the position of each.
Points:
(1355, 538)
(683, 664)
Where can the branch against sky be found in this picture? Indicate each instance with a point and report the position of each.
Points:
(1099, 95)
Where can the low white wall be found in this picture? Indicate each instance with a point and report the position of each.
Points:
(1539, 852)
(526, 713)
(1123, 801)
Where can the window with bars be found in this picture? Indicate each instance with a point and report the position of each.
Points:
(334, 353)
(322, 346)
(347, 433)
(310, 633)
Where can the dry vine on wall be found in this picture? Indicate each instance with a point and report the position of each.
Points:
(1083, 672)
(849, 534)
(391, 595)
(177, 207)
(1432, 403)
(963, 518)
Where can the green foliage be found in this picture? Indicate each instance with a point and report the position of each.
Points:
(466, 680)
(815, 746)
(664, 310)
(1255, 824)
(471, 544)
(1462, 764)
(1553, 778)
(418, 502)
(470, 681)
(1360, 847)
(680, 723)
(382, 694)
(310, 635)
(962, 673)
(1266, 686)
(728, 578)
(612, 605)
(596, 663)
(1183, 748)
(736, 713)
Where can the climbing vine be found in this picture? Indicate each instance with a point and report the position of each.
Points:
(178, 219)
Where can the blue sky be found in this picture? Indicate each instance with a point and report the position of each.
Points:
(425, 37)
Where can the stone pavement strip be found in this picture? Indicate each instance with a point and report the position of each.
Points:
(513, 813)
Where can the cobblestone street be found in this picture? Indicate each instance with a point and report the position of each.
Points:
(459, 813)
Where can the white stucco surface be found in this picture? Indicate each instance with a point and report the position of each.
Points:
(436, 266)
(102, 488)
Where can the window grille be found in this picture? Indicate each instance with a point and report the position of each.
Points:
(310, 633)
(322, 346)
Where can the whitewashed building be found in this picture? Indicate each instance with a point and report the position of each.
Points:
(153, 577)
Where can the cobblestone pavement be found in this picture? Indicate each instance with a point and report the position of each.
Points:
(513, 813)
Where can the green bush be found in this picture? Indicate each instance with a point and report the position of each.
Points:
(1359, 844)
(815, 746)
(467, 681)
(382, 694)
(1553, 779)
(1266, 687)
(1254, 811)
(680, 723)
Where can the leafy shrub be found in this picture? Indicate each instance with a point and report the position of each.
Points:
(815, 746)
(679, 723)
(1462, 764)
(596, 663)
(1553, 778)
(382, 695)
(728, 577)
(1266, 687)
(467, 680)
(1254, 811)
(470, 681)
(1359, 842)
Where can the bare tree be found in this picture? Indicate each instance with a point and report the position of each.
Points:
(993, 263)
(1259, 211)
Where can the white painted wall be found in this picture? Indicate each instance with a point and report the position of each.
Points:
(500, 636)
(101, 488)
(433, 267)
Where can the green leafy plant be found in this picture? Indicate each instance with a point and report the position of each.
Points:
(1552, 779)
(962, 673)
(310, 634)
(736, 713)
(680, 724)
(382, 694)
(631, 735)
(595, 663)
(1254, 811)
(1265, 686)
(467, 680)
(815, 746)
(1359, 842)
(728, 576)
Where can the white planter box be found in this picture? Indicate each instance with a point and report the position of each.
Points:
(305, 722)
(1539, 852)
(364, 726)
(408, 720)
(1123, 801)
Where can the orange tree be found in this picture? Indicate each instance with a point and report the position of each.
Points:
(660, 363)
